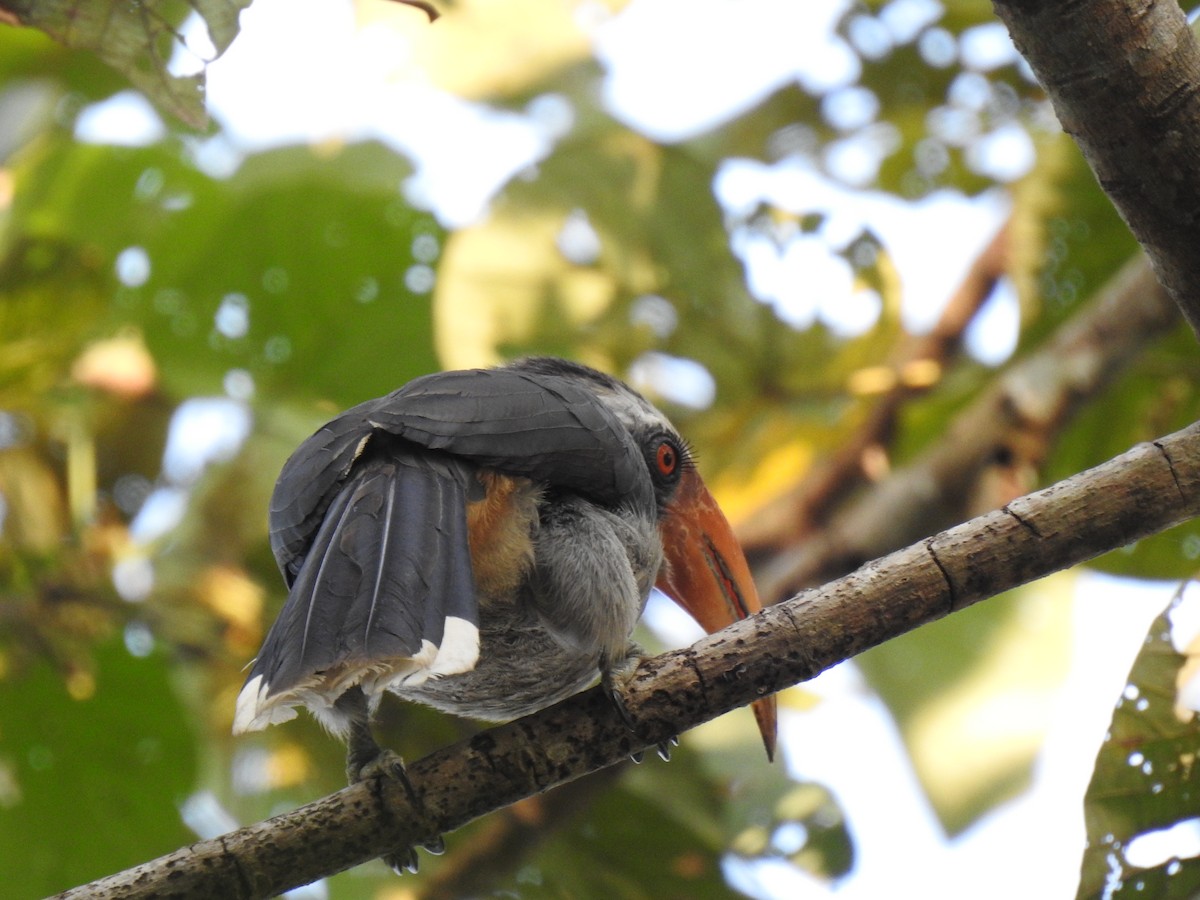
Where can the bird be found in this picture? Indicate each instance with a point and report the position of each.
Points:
(484, 542)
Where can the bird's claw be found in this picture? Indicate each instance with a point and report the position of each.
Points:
(613, 675)
(664, 748)
(618, 700)
(388, 764)
(402, 861)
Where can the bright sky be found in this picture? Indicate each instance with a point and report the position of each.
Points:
(302, 71)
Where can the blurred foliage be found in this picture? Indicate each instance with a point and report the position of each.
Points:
(109, 745)
(604, 852)
(285, 284)
(196, 306)
(973, 694)
(1145, 781)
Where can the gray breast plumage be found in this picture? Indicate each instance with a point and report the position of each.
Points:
(572, 618)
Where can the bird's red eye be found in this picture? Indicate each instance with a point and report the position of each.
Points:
(667, 458)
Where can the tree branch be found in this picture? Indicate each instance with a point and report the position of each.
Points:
(1015, 419)
(1148, 489)
(798, 513)
(1123, 78)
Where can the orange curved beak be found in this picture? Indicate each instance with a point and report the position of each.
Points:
(706, 573)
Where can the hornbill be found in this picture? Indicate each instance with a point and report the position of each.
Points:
(484, 542)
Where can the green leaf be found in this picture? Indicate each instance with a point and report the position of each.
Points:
(138, 40)
(30, 61)
(52, 302)
(1145, 779)
(310, 254)
(329, 308)
(90, 786)
(1069, 239)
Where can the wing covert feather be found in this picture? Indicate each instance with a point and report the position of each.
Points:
(541, 426)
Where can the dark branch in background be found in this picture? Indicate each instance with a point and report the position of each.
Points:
(798, 513)
(1141, 492)
(1012, 422)
(428, 8)
(511, 836)
(1123, 77)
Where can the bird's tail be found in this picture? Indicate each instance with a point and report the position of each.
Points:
(385, 594)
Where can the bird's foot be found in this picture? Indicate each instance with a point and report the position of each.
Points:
(387, 764)
(366, 760)
(380, 764)
(662, 748)
(405, 859)
(365, 766)
(613, 679)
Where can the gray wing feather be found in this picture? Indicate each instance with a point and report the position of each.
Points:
(389, 562)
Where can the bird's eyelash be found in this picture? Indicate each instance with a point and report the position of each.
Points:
(687, 454)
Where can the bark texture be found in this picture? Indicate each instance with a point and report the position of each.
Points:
(1123, 76)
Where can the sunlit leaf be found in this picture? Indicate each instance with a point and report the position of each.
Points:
(1145, 781)
(482, 49)
(139, 40)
